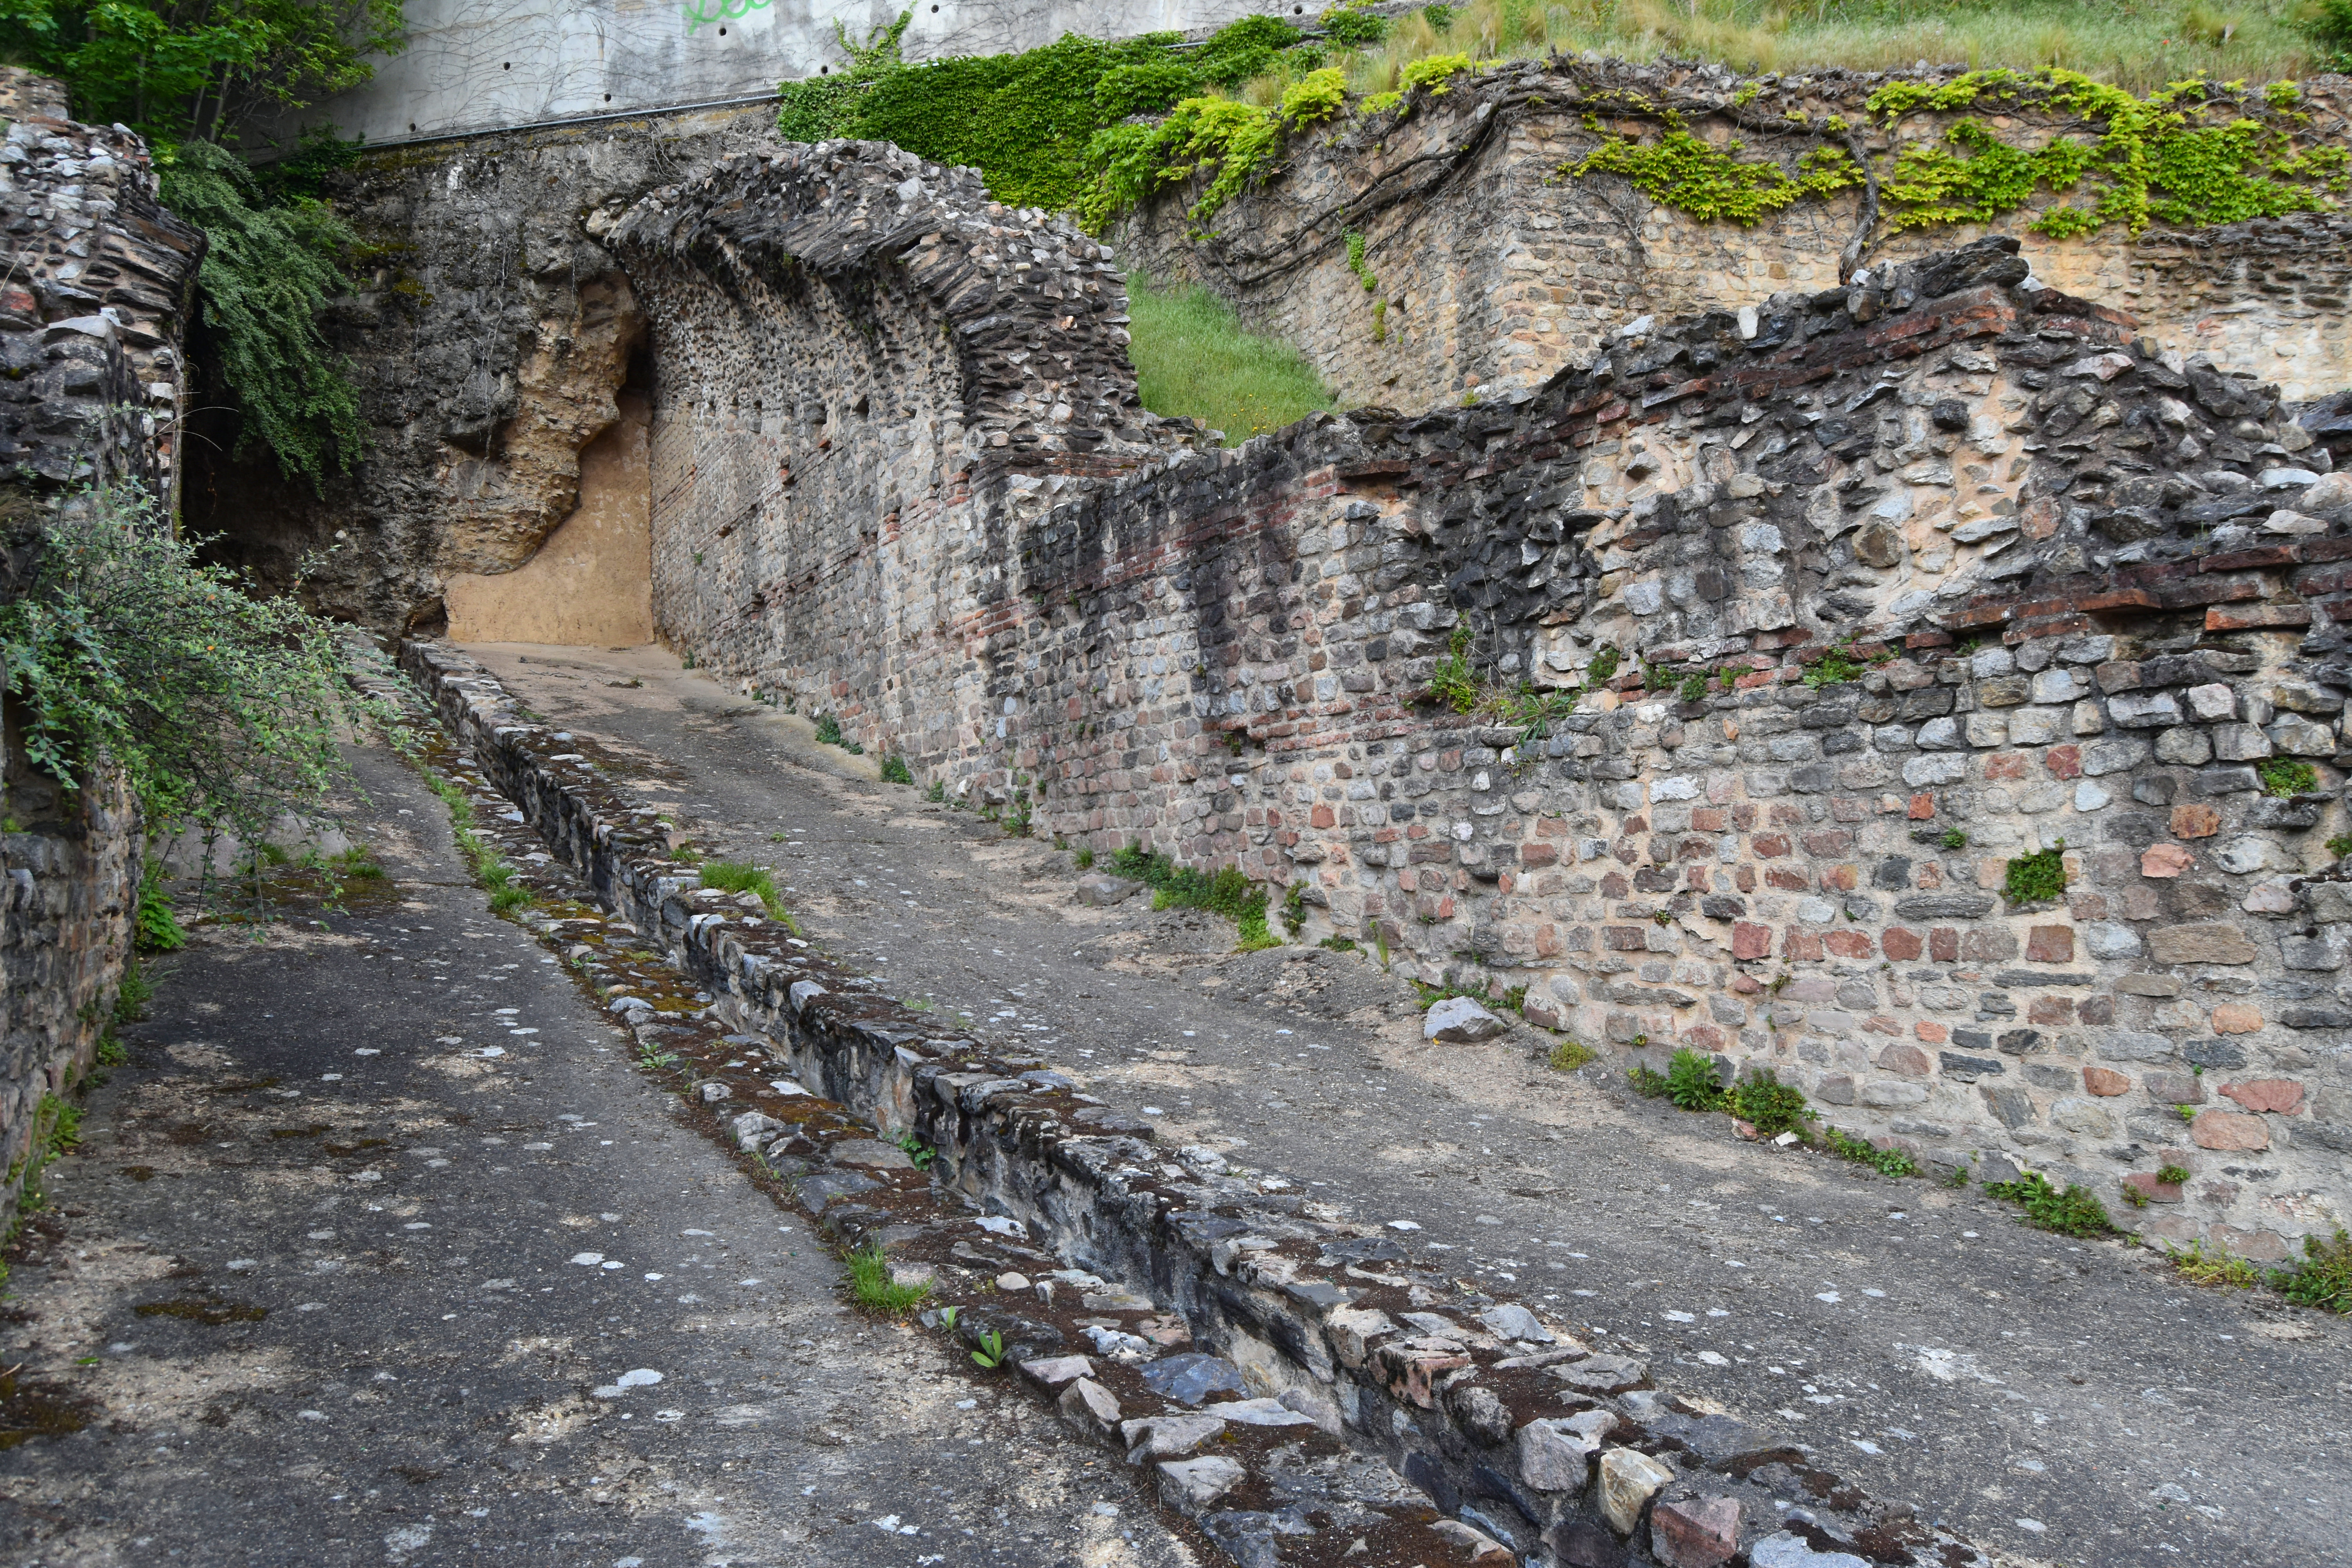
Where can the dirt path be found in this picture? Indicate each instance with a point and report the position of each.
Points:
(2069, 1400)
(372, 1254)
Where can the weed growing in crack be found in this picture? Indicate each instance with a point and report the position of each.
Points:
(895, 771)
(2074, 1210)
(1861, 1152)
(1766, 1103)
(740, 877)
(915, 1149)
(2284, 777)
(1691, 1083)
(992, 1352)
(1568, 1055)
(1648, 1082)
(1225, 891)
(871, 1284)
(2037, 877)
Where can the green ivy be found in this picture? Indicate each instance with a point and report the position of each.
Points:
(2191, 154)
(2037, 877)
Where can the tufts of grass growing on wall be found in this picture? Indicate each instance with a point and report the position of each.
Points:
(1194, 360)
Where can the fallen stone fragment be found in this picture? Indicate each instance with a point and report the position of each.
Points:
(1458, 1020)
(1053, 1371)
(1561, 1350)
(1089, 1406)
(1352, 1329)
(1581, 1544)
(1512, 1322)
(1411, 1372)
(1603, 1374)
(1191, 1378)
(1470, 1545)
(1168, 1436)
(1699, 1532)
(1012, 1282)
(1786, 1551)
(870, 1153)
(818, 1191)
(1100, 890)
(1629, 1478)
(753, 1126)
(1260, 1413)
(1116, 1301)
(1120, 1347)
(1191, 1485)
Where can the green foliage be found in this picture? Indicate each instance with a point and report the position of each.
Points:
(1194, 360)
(1453, 682)
(59, 1126)
(154, 928)
(1348, 25)
(872, 1289)
(1605, 661)
(1648, 1082)
(1681, 170)
(1861, 1152)
(220, 709)
(2200, 1267)
(2323, 1277)
(2171, 1174)
(1836, 666)
(895, 771)
(1224, 891)
(1691, 1083)
(2284, 776)
(132, 993)
(1693, 687)
(1766, 1103)
(1356, 262)
(2036, 878)
(2076, 1211)
(1086, 858)
(740, 877)
(2329, 25)
(828, 733)
(1568, 1056)
(197, 67)
(992, 1352)
(938, 792)
(915, 1149)
(1294, 909)
(1953, 838)
(268, 272)
(1339, 943)
(111, 1051)
(2340, 846)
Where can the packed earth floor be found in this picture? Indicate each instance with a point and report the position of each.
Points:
(2071, 1402)
(379, 1249)
(383, 1247)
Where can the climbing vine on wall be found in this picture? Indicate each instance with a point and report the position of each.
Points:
(2192, 153)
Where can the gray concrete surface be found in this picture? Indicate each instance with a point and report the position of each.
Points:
(2066, 1402)
(421, 1231)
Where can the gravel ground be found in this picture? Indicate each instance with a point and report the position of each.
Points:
(371, 1254)
(2065, 1401)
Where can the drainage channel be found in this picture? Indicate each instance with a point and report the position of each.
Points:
(1308, 1389)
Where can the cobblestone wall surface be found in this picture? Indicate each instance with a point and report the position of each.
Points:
(1967, 567)
(92, 305)
(1492, 271)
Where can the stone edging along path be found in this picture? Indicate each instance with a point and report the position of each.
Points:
(1528, 1445)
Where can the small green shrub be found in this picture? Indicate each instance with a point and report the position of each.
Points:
(111, 1051)
(133, 995)
(915, 1149)
(1294, 909)
(1691, 1083)
(2076, 1211)
(1224, 891)
(740, 877)
(509, 897)
(1958, 1177)
(2341, 845)
(1453, 682)
(1954, 838)
(2170, 1175)
(1566, 1056)
(1836, 667)
(156, 926)
(895, 771)
(1648, 1082)
(938, 792)
(871, 1284)
(1861, 1152)
(1771, 1107)
(1693, 687)
(828, 733)
(2323, 1277)
(2286, 776)
(2200, 1267)
(1605, 660)
(2036, 878)
(1339, 943)
(1086, 858)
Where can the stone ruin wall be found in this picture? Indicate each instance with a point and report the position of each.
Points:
(91, 313)
(1497, 271)
(2106, 579)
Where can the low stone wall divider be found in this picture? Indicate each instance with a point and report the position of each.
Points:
(1497, 1424)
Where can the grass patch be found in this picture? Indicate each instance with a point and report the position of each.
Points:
(871, 1284)
(506, 893)
(132, 996)
(738, 876)
(2037, 877)
(1194, 360)
(2217, 1270)
(1648, 1082)
(1224, 891)
(2321, 1280)
(1566, 1056)
(2074, 1210)
(1861, 1152)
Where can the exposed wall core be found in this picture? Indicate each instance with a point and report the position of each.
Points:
(591, 581)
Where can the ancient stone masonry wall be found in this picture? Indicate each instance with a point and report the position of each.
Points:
(2085, 587)
(873, 373)
(488, 335)
(92, 304)
(1494, 270)
(1522, 1440)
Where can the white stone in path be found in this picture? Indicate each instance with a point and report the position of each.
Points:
(1457, 1020)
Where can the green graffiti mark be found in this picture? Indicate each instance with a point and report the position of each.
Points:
(699, 11)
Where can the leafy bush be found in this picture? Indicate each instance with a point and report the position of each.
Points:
(2284, 776)
(895, 771)
(221, 709)
(2036, 878)
(1691, 1083)
(269, 270)
(2329, 25)
(154, 927)
(1224, 891)
(1769, 1105)
(1648, 1082)
(2076, 1211)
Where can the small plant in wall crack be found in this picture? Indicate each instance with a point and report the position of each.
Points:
(992, 1352)
(2284, 777)
(2037, 877)
(2074, 1211)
